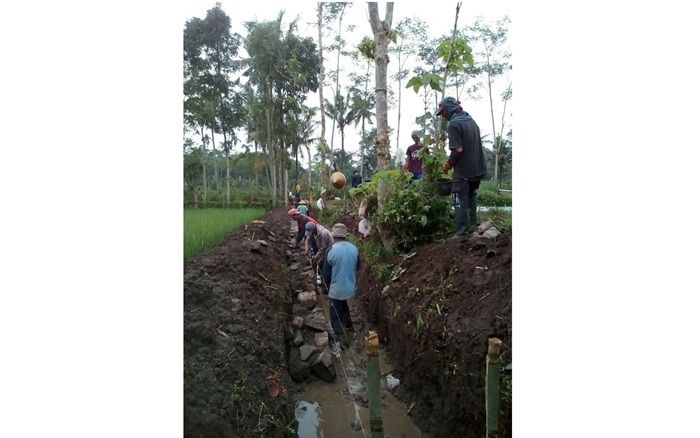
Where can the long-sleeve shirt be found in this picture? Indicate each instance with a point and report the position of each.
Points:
(323, 240)
(341, 262)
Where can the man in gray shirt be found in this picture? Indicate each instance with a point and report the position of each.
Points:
(467, 160)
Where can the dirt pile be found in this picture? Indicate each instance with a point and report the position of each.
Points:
(235, 377)
(435, 316)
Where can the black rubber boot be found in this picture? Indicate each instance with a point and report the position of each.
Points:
(462, 221)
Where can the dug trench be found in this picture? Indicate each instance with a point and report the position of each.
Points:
(240, 301)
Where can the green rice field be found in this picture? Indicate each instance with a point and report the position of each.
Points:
(204, 228)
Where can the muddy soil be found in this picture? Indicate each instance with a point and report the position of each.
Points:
(235, 379)
(435, 319)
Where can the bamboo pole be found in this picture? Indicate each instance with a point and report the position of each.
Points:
(375, 400)
(493, 364)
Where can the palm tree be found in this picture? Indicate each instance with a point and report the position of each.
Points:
(362, 109)
(340, 112)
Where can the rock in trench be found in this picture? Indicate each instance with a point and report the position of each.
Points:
(298, 338)
(299, 370)
(491, 233)
(323, 367)
(321, 339)
(306, 350)
(484, 226)
(307, 299)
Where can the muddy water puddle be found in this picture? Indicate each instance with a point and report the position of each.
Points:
(329, 410)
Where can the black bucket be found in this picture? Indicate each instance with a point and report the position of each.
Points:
(444, 186)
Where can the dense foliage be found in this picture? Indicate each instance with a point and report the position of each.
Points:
(412, 213)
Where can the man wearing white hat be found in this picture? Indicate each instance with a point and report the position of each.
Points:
(341, 263)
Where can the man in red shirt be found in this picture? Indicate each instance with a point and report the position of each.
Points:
(414, 163)
(301, 220)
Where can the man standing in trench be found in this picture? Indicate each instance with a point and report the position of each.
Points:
(341, 262)
(467, 160)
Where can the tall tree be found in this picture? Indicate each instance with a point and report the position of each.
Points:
(341, 113)
(381, 29)
(209, 50)
(336, 10)
(362, 106)
(409, 33)
(363, 101)
(321, 78)
(284, 67)
(494, 62)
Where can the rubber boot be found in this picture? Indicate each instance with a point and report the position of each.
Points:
(462, 221)
(471, 201)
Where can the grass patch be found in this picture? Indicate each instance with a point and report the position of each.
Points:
(488, 195)
(501, 218)
(206, 227)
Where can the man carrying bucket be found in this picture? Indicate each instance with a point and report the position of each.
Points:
(467, 160)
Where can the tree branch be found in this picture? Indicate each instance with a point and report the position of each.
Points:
(373, 16)
(388, 15)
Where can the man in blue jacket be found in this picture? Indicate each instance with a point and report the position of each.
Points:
(341, 262)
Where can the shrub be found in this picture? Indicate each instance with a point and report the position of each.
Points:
(412, 211)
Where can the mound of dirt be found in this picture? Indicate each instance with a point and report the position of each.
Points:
(436, 316)
(235, 378)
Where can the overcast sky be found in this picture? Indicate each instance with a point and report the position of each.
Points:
(439, 19)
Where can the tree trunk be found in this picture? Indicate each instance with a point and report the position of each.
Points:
(362, 151)
(286, 187)
(228, 171)
(381, 38)
(271, 148)
(342, 149)
(321, 76)
(493, 126)
(398, 119)
(204, 168)
(441, 127)
(216, 164)
(362, 143)
(308, 153)
(337, 78)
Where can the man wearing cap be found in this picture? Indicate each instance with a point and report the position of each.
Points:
(318, 240)
(302, 207)
(342, 261)
(301, 220)
(414, 163)
(467, 160)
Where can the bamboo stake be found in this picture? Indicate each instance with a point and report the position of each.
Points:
(493, 364)
(375, 401)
